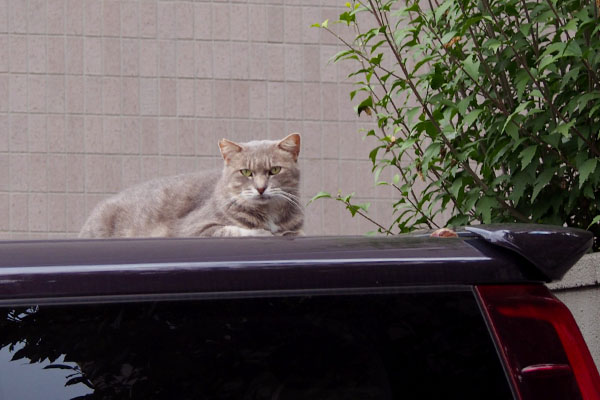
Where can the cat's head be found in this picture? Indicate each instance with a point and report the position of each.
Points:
(261, 171)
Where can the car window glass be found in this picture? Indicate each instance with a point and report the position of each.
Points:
(322, 347)
(26, 381)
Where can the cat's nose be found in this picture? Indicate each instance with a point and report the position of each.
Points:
(261, 190)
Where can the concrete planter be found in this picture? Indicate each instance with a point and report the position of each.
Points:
(580, 291)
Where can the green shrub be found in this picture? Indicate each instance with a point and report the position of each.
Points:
(493, 105)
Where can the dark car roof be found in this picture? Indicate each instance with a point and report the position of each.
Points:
(92, 270)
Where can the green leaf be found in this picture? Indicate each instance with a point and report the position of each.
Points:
(377, 173)
(571, 25)
(572, 49)
(448, 36)
(431, 151)
(464, 104)
(345, 198)
(546, 61)
(376, 60)
(594, 221)
(407, 144)
(365, 105)
(492, 44)
(471, 68)
(439, 12)
(521, 107)
(471, 117)
(564, 129)
(583, 100)
(352, 208)
(456, 187)
(471, 198)
(513, 130)
(589, 192)
(536, 93)
(320, 195)
(341, 55)
(543, 179)
(569, 76)
(558, 47)
(585, 170)
(426, 126)
(411, 113)
(347, 17)
(484, 208)
(364, 206)
(424, 61)
(527, 155)
(521, 81)
(373, 154)
(520, 182)
(593, 110)
(525, 29)
(496, 154)
(376, 45)
(437, 78)
(544, 17)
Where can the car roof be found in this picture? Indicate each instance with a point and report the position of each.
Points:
(117, 269)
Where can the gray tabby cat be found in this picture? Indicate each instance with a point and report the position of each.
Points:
(256, 194)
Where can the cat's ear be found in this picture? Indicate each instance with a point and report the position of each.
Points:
(228, 149)
(291, 143)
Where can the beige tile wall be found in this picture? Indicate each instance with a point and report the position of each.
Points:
(99, 95)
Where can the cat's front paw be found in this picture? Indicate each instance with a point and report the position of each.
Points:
(239, 231)
(258, 232)
(232, 230)
(293, 233)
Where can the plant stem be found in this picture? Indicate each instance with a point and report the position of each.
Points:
(347, 203)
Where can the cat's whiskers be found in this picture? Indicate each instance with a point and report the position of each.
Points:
(289, 197)
(289, 200)
(288, 194)
(295, 197)
(247, 193)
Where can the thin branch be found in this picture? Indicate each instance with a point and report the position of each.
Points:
(382, 83)
(428, 221)
(347, 203)
(359, 53)
(534, 39)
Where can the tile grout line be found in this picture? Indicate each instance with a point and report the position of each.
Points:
(9, 116)
(28, 97)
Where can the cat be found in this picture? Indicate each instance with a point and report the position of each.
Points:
(255, 194)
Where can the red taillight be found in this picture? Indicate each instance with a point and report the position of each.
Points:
(540, 343)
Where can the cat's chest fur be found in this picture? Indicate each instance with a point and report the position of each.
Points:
(270, 225)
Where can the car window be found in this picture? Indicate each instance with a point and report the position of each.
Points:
(23, 380)
(382, 346)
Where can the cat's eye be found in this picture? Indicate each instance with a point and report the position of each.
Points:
(246, 172)
(274, 170)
